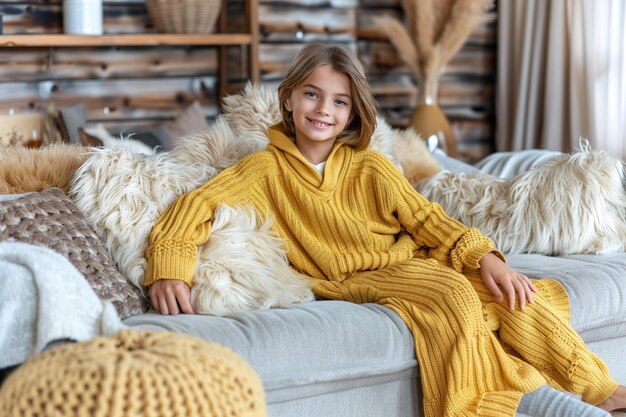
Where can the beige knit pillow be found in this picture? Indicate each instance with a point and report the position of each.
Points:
(51, 219)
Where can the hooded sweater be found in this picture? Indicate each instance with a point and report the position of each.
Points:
(361, 215)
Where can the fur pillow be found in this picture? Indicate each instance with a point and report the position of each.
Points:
(567, 204)
(243, 267)
(26, 170)
(51, 219)
(122, 194)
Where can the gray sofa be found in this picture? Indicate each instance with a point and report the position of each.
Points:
(334, 358)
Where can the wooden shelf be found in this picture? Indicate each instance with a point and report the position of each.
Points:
(61, 40)
(221, 39)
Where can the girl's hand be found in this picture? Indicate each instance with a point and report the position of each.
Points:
(170, 296)
(497, 275)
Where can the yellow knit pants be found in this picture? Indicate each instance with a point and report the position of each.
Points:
(477, 357)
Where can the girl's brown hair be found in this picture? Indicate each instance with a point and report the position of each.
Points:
(359, 131)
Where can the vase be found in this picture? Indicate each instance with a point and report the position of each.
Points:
(82, 17)
(429, 120)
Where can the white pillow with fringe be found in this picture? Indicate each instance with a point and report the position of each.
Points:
(567, 204)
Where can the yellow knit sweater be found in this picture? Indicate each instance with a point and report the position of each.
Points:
(366, 236)
(363, 215)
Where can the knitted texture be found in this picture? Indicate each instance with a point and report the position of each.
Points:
(354, 219)
(52, 220)
(143, 374)
(460, 335)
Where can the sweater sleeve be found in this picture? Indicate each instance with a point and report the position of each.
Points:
(173, 249)
(448, 241)
(175, 237)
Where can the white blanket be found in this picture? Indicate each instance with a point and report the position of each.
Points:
(43, 298)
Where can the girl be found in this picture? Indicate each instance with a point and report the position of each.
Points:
(354, 224)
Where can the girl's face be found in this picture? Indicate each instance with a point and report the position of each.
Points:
(321, 108)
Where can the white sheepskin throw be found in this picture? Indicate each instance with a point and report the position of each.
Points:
(122, 194)
(568, 204)
(243, 267)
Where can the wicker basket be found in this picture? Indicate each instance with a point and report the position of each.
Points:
(184, 16)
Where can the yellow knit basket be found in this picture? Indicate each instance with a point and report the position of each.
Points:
(184, 16)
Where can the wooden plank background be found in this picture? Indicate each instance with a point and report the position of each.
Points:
(142, 87)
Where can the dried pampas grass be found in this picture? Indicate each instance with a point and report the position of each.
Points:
(433, 32)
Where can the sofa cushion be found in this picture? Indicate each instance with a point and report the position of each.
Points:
(509, 164)
(189, 121)
(596, 285)
(307, 349)
(51, 219)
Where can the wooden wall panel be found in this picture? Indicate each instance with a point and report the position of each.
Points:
(144, 85)
(37, 64)
(280, 23)
(113, 100)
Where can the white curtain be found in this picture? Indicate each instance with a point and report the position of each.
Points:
(561, 75)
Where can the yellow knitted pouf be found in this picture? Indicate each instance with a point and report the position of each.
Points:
(134, 374)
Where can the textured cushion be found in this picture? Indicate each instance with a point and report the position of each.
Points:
(190, 121)
(73, 119)
(148, 374)
(51, 219)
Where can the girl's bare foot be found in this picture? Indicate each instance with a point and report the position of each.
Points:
(616, 401)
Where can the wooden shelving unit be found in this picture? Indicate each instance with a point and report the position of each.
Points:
(250, 40)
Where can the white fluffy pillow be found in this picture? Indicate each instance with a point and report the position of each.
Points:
(567, 204)
(241, 267)
(122, 194)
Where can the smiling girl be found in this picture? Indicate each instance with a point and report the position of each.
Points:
(354, 224)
